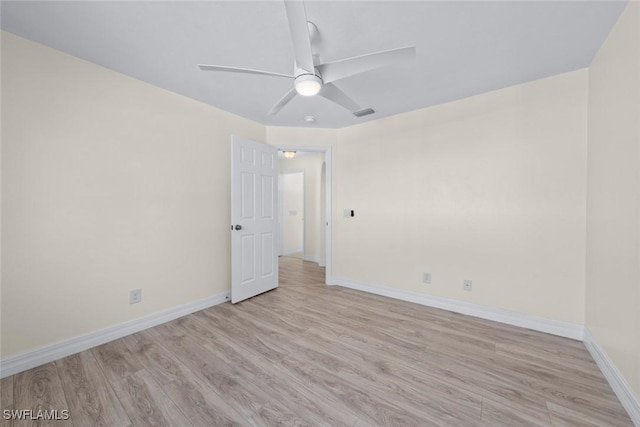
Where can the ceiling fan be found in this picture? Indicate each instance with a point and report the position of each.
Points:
(310, 77)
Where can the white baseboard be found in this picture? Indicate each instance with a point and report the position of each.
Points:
(310, 258)
(315, 259)
(291, 251)
(541, 324)
(32, 358)
(622, 389)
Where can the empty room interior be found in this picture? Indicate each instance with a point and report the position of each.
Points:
(323, 213)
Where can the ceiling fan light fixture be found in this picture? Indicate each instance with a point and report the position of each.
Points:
(308, 84)
(289, 154)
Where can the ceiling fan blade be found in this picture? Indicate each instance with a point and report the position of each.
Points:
(337, 70)
(283, 101)
(205, 67)
(297, 17)
(332, 93)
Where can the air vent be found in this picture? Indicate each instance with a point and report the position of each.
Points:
(363, 112)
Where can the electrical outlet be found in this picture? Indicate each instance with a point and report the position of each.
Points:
(135, 296)
(466, 285)
(426, 278)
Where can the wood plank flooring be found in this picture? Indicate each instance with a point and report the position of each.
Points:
(307, 354)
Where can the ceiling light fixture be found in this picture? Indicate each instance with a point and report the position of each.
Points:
(289, 154)
(308, 84)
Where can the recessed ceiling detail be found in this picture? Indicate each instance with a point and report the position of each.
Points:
(462, 48)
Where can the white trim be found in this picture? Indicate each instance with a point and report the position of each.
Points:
(280, 214)
(292, 251)
(328, 215)
(39, 356)
(509, 317)
(328, 188)
(312, 259)
(620, 386)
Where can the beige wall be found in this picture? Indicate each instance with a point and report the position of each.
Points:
(293, 212)
(108, 184)
(306, 137)
(490, 188)
(311, 164)
(613, 208)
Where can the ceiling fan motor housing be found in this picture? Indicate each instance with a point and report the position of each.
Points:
(308, 84)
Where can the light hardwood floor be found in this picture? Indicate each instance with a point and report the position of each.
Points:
(307, 354)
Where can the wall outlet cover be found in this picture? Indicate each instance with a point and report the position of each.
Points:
(135, 296)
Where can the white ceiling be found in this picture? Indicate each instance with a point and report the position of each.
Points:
(463, 48)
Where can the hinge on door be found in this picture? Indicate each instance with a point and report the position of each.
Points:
(232, 226)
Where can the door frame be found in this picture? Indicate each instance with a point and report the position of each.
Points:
(328, 187)
(281, 207)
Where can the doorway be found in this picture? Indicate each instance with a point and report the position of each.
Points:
(314, 163)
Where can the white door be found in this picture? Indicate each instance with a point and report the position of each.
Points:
(254, 228)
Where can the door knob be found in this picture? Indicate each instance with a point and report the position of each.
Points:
(238, 227)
